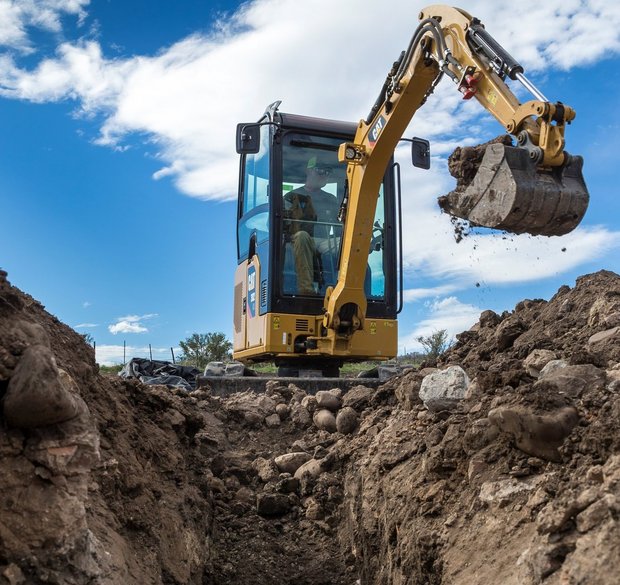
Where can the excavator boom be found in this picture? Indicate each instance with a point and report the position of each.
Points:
(535, 187)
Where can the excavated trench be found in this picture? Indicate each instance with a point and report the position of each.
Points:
(498, 464)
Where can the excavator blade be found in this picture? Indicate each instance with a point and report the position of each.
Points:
(509, 193)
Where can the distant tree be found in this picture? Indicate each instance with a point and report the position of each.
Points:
(201, 348)
(435, 343)
(88, 338)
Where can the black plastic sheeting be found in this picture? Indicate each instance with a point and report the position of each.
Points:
(160, 372)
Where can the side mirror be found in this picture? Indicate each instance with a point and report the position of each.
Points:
(248, 138)
(421, 153)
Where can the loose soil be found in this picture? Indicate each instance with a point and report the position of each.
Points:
(108, 481)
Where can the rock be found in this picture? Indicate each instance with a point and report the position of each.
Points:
(478, 435)
(475, 469)
(266, 404)
(244, 494)
(273, 421)
(346, 420)
(234, 369)
(444, 389)
(265, 469)
(312, 468)
(291, 462)
(613, 380)
(328, 400)
(309, 403)
(537, 360)
(300, 415)
(37, 394)
(503, 491)
(535, 434)
(489, 318)
(507, 332)
(551, 367)
(314, 510)
(407, 389)
(337, 392)
(215, 369)
(473, 391)
(358, 397)
(287, 484)
(597, 513)
(606, 335)
(13, 575)
(572, 381)
(325, 420)
(282, 411)
(254, 419)
(601, 310)
(268, 504)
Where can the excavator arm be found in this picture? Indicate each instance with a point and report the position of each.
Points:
(535, 187)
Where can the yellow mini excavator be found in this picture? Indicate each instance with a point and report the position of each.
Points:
(319, 276)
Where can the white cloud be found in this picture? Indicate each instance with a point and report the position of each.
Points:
(130, 324)
(17, 15)
(189, 97)
(110, 355)
(448, 313)
(187, 100)
(86, 326)
(86, 304)
(416, 294)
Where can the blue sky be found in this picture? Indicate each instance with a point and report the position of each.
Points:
(118, 170)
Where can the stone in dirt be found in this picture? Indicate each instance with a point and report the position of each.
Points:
(346, 420)
(536, 434)
(444, 389)
(291, 462)
(327, 399)
(325, 420)
(37, 394)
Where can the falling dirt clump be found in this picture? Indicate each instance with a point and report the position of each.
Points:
(463, 165)
(464, 162)
(501, 463)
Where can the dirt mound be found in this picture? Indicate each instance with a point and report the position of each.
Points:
(498, 464)
(518, 482)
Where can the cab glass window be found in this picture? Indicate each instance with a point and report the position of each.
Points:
(254, 208)
(312, 192)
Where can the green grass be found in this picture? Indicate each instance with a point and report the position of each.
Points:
(348, 369)
(111, 369)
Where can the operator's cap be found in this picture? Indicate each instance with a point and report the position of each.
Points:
(318, 162)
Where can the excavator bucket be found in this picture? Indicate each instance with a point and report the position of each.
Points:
(509, 193)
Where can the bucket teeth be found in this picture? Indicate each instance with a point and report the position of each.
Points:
(509, 193)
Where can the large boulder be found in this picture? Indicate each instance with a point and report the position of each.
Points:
(444, 389)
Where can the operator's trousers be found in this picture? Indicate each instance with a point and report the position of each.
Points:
(304, 250)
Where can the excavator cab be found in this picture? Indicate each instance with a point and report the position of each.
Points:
(289, 233)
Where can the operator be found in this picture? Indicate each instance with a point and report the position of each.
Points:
(304, 207)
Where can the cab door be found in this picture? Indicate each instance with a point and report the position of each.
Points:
(253, 236)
